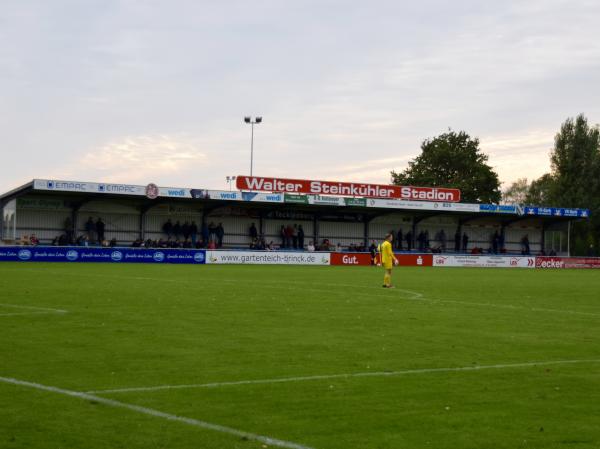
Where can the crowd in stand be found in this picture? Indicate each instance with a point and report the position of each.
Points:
(292, 237)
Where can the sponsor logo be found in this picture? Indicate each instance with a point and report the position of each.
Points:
(550, 263)
(419, 260)
(50, 184)
(199, 257)
(117, 256)
(151, 191)
(439, 260)
(228, 196)
(24, 254)
(158, 256)
(176, 192)
(72, 255)
(349, 260)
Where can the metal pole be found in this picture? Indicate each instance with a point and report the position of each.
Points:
(251, 148)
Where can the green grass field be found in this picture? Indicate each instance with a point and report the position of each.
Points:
(298, 357)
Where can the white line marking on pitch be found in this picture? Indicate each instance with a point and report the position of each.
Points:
(31, 310)
(344, 376)
(157, 413)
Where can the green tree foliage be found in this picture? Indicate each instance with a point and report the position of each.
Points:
(517, 192)
(453, 160)
(574, 180)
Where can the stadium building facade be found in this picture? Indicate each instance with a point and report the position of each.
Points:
(131, 212)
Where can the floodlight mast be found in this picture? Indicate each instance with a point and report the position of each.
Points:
(252, 122)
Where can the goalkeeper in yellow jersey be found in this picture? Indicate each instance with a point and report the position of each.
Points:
(388, 260)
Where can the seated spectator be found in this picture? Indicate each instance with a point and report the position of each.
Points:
(310, 246)
(212, 244)
(113, 242)
(33, 240)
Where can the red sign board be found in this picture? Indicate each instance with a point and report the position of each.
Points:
(567, 262)
(362, 259)
(302, 186)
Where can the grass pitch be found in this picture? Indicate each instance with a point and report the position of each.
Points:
(310, 357)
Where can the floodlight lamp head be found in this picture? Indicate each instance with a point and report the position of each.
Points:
(258, 119)
(247, 119)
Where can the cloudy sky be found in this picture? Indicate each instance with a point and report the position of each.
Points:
(141, 91)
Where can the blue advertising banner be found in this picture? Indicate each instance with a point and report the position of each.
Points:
(557, 212)
(498, 208)
(91, 254)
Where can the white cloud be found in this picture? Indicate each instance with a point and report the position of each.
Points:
(141, 158)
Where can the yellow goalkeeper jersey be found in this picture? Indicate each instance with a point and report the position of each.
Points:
(387, 255)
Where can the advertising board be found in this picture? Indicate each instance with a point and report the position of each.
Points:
(314, 187)
(91, 254)
(567, 262)
(357, 259)
(267, 258)
(88, 187)
(484, 261)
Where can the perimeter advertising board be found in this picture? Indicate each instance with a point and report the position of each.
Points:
(484, 261)
(567, 262)
(111, 255)
(313, 187)
(267, 258)
(364, 259)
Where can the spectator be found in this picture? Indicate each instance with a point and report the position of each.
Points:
(465, 242)
(525, 250)
(177, 230)
(457, 241)
(253, 232)
(168, 228)
(69, 229)
(212, 231)
(100, 230)
(205, 232)
(220, 232)
(442, 240)
(421, 241)
(288, 236)
(194, 232)
(90, 229)
(409, 241)
(373, 251)
(33, 240)
(113, 242)
(211, 244)
(399, 239)
(300, 237)
(282, 234)
(295, 236)
(495, 242)
(311, 246)
(185, 230)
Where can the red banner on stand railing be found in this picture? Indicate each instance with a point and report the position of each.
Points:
(302, 186)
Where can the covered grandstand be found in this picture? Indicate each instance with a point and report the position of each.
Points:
(131, 212)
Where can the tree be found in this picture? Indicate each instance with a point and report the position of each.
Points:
(541, 191)
(517, 192)
(574, 180)
(453, 160)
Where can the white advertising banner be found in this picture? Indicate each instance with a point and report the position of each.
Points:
(267, 258)
(484, 261)
(423, 205)
(174, 192)
(326, 200)
(88, 187)
(263, 197)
